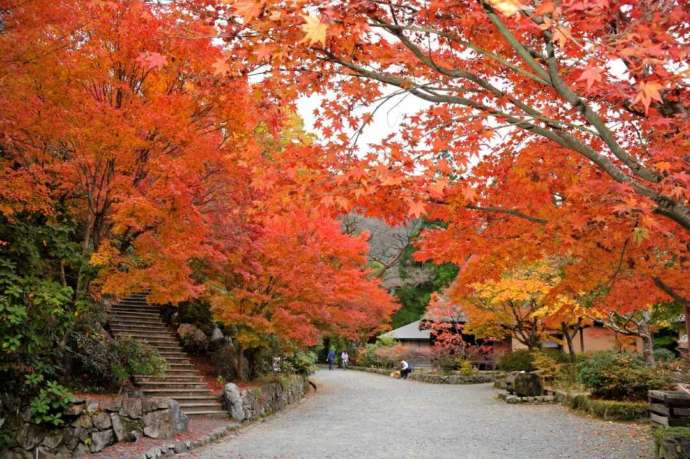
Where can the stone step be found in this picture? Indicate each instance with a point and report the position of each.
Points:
(136, 311)
(132, 312)
(174, 393)
(206, 413)
(153, 342)
(168, 378)
(136, 305)
(173, 373)
(134, 308)
(144, 333)
(126, 312)
(183, 359)
(127, 322)
(198, 384)
(196, 406)
(197, 399)
(162, 339)
(135, 315)
(156, 329)
(181, 367)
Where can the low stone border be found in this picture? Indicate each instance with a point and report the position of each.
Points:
(187, 445)
(479, 377)
(513, 399)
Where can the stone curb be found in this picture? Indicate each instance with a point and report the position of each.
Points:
(172, 449)
(540, 399)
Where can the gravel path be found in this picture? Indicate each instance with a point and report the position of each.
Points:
(362, 415)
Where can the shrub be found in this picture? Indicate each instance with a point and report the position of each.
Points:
(301, 363)
(619, 376)
(664, 355)
(547, 367)
(134, 358)
(106, 363)
(521, 360)
(444, 359)
(50, 404)
(466, 368)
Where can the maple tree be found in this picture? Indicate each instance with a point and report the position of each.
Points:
(184, 177)
(550, 127)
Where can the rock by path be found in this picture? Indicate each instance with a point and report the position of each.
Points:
(361, 415)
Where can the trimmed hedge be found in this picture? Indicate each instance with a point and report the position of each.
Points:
(479, 377)
(610, 410)
(671, 442)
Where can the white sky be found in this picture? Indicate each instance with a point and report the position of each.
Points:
(386, 120)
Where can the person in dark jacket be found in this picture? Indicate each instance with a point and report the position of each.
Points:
(330, 358)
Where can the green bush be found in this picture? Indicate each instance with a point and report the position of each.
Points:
(466, 368)
(547, 367)
(619, 376)
(50, 404)
(664, 355)
(105, 364)
(521, 360)
(133, 358)
(302, 363)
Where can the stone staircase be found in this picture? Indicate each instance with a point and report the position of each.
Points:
(135, 318)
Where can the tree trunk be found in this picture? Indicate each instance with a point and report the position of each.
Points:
(238, 362)
(569, 341)
(647, 341)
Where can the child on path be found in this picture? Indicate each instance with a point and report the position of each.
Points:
(345, 358)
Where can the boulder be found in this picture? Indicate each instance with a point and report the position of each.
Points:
(217, 335)
(99, 440)
(131, 407)
(30, 436)
(101, 420)
(155, 404)
(179, 420)
(126, 429)
(232, 399)
(527, 385)
(53, 439)
(158, 424)
(70, 437)
(76, 408)
(192, 337)
(84, 421)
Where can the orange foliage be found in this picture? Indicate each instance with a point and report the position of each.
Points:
(551, 128)
(185, 178)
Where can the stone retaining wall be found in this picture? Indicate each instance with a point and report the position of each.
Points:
(90, 426)
(252, 403)
(478, 377)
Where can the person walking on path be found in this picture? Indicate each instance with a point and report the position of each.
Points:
(345, 359)
(330, 358)
(405, 369)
